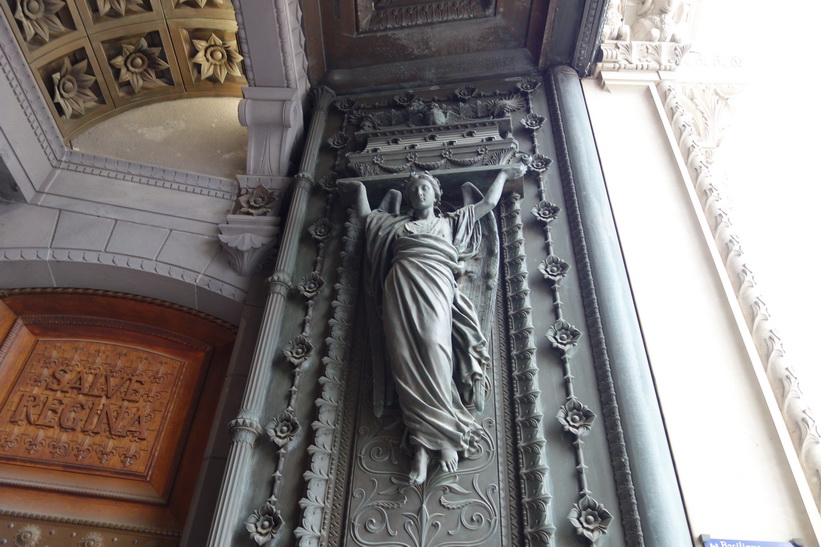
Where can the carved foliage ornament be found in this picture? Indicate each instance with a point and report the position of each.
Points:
(39, 18)
(138, 63)
(257, 201)
(27, 536)
(118, 7)
(217, 58)
(263, 524)
(72, 88)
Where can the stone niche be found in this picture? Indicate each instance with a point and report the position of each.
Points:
(106, 403)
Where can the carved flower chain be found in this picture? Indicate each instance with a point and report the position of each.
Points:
(589, 517)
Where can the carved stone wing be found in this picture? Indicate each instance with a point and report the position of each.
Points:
(478, 280)
(382, 381)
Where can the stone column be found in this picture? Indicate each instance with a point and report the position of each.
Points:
(246, 427)
(660, 507)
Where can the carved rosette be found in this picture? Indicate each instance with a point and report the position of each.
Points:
(40, 19)
(139, 64)
(217, 58)
(71, 88)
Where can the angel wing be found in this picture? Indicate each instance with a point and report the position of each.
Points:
(478, 280)
(383, 390)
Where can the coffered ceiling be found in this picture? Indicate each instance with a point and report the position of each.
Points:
(94, 58)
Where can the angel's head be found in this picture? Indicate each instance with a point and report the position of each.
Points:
(423, 191)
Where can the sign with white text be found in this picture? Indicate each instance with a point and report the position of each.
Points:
(746, 543)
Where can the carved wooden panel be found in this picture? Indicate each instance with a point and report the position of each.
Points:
(89, 404)
(105, 405)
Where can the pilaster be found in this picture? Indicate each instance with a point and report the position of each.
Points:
(246, 427)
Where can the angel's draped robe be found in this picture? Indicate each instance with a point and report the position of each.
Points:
(435, 347)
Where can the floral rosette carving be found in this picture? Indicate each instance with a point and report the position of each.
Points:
(528, 85)
(339, 141)
(310, 285)
(465, 92)
(344, 104)
(405, 98)
(39, 18)
(532, 121)
(72, 88)
(328, 182)
(546, 212)
(539, 163)
(554, 268)
(321, 229)
(298, 350)
(264, 523)
(138, 64)
(257, 202)
(27, 536)
(575, 417)
(217, 58)
(563, 336)
(590, 518)
(91, 540)
(283, 429)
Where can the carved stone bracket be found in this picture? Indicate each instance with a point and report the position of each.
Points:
(272, 116)
(247, 240)
(250, 236)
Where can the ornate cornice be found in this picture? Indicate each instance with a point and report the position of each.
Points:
(645, 56)
(693, 112)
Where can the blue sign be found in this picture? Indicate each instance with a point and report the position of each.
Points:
(746, 543)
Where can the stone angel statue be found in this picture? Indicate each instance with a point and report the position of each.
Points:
(428, 330)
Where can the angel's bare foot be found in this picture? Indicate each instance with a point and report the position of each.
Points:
(450, 460)
(419, 467)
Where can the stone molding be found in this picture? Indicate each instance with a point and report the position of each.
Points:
(123, 261)
(691, 110)
(643, 56)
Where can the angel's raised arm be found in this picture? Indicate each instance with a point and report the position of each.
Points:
(353, 192)
(495, 191)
